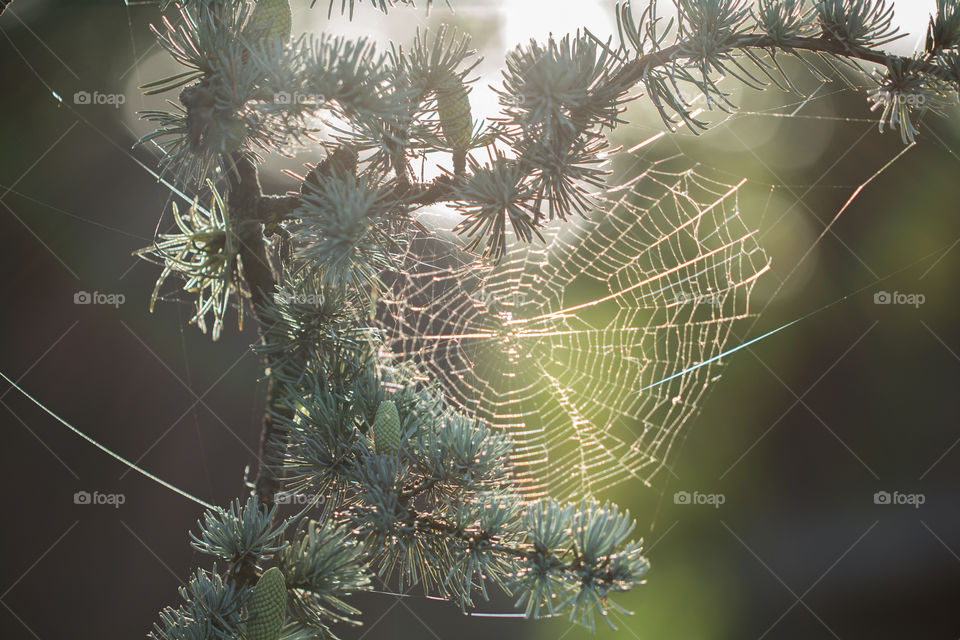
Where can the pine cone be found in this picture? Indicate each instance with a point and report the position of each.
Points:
(267, 609)
(453, 107)
(269, 19)
(386, 428)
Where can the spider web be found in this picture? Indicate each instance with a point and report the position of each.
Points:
(554, 344)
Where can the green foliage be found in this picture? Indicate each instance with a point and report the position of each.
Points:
(786, 21)
(857, 23)
(944, 31)
(346, 231)
(558, 99)
(383, 5)
(324, 567)
(903, 87)
(244, 530)
(461, 452)
(205, 255)
(708, 30)
(493, 195)
(351, 77)
(313, 329)
(728, 38)
(224, 78)
(438, 509)
(211, 610)
(435, 60)
(394, 480)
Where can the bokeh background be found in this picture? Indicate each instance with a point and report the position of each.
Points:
(798, 436)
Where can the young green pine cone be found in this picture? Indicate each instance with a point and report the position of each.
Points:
(386, 428)
(453, 107)
(269, 19)
(267, 609)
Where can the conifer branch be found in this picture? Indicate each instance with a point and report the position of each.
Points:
(275, 209)
(247, 203)
(633, 71)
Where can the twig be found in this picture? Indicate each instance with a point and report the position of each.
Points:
(634, 70)
(247, 204)
(274, 209)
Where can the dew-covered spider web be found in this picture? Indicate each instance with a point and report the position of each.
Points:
(554, 344)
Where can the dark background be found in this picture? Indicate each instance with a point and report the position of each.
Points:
(800, 433)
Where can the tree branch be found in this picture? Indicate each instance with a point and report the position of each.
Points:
(247, 203)
(634, 70)
(274, 209)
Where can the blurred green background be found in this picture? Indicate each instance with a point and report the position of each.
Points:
(799, 434)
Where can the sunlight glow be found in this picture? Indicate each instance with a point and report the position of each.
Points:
(912, 17)
(525, 19)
